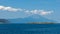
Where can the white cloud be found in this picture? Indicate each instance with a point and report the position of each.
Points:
(2, 7)
(19, 13)
(41, 12)
(46, 12)
(10, 9)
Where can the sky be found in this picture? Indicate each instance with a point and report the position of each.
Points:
(10, 9)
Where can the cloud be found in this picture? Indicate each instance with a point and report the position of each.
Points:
(40, 12)
(46, 12)
(10, 9)
(19, 13)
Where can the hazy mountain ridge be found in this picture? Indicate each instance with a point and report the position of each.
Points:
(32, 18)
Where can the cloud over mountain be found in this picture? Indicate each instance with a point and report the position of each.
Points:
(40, 12)
(18, 12)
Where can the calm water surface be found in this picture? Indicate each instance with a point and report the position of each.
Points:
(29, 28)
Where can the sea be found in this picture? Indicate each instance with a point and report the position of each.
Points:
(29, 28)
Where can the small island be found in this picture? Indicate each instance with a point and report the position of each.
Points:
(3, 21)
(41, 23)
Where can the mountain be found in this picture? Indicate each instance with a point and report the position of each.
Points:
(32, 18)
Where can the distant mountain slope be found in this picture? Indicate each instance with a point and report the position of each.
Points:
(32, 18)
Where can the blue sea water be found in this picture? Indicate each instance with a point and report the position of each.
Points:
(29, 28)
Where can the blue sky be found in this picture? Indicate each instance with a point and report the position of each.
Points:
(46, 5)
